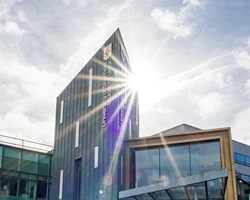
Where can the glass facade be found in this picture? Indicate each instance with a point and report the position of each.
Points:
(24, 174)
(243, 190)
(166, 164)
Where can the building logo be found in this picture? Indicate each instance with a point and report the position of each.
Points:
(107, 52)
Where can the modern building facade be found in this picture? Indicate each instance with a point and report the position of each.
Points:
(24, 171)
(186, 165)
(95, 114)
(242, 159)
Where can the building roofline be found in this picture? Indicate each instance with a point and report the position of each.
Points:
(181, 133)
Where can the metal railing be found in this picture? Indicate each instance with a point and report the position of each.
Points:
(25, 144)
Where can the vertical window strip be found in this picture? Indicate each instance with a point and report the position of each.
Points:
(61, 112)
(137, 114)
(77, 134)
(130, 128)
(61, 184)
(122, 170)
(90, 87)
(96, 157)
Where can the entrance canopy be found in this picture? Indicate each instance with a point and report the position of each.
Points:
(208, 185)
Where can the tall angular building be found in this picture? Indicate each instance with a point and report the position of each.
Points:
(95, 114)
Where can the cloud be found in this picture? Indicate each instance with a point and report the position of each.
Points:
(5, 7)
(12, 28)
(92, 41)
(240, 127)
(27, 96)
(177, 23)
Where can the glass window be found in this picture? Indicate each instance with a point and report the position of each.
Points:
(61, 112)
(205, 157)
(77, 134)
(247, 160)
(29, 162)
(147, 167)
(41, 191)
(8, 187)
(197, 191)
(96, 157)
(215, 189)
(11, 159)
(90, 87)
(27, 190)
(43, 165)
(240, 158)
(1, 155)
(174, 163)
(61, 184)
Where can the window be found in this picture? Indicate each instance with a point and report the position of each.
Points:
(96, 157)
(11, 159)
(174, 162)
(29, 162)
(61, 112)
(130, 128)
(41, 192)
(166, 164)
(121, 169)
(90, 87)
(1, 155)
(77, 177)
(205, 157)
(61, 184)
(77, 134)
(137, 114)
(43, 165)
(240, 158)
(247, 160)
(147, 167)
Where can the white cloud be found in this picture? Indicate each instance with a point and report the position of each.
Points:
(92, 41)
(11, 27)
(243, 57)
(176, 23)
(209, 105)
(241, 128)
(81, 2)
(5, 7)
(171, 22)
(27, 100)
(193, 3)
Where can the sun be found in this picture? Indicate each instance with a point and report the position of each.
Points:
(143, 80)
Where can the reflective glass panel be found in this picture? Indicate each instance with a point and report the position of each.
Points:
(43, 165)
(27, 190)
(179, 193)
(214, 189)
(29, 162)
(8, 187)
(247, 160)
(174, 163)
(41, 190)
(197, 191)
(205, 157)
(240, 158)
(1, 155)
(11, 159)
(147, 167)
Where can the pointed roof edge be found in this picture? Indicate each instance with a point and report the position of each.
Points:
(119, 37)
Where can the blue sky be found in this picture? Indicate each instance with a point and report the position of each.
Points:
(196, 54)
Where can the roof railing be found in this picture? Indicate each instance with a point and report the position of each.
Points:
(25, 144)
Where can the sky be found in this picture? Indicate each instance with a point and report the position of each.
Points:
(191, 59)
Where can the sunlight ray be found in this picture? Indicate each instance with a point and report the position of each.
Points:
(118, 145)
